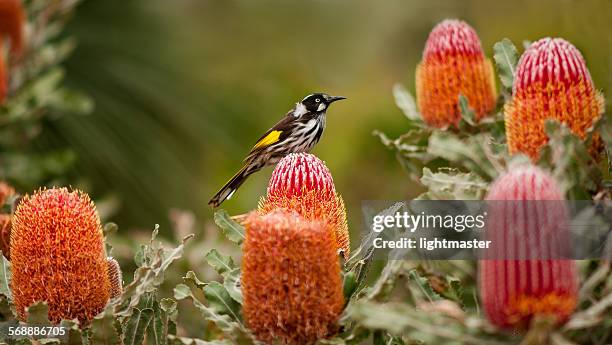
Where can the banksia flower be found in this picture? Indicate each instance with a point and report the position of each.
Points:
(115, 277)
(6, 192)
(5, 235)
(526, 270)
(454, 64)
(12, 21)
(551, 82)
(290, 279)
(57, 255)
(302, 183)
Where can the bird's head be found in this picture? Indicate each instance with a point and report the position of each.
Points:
(319, 102)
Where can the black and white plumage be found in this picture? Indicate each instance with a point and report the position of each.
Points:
(299, 131)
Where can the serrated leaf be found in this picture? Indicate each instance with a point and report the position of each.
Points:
(469, 152)
(231, 282)
(38, 314)
(223, 321)
(149, 276)
(220, 301)
(405, 101)
(506, 57)
(453, 185)
(74, 336)
(424, 286)
(221, 263)
(349, 285)
(103, 331)
(232, 230)
(137, 325)
(5, 278)
(192, 278)
(170, 307)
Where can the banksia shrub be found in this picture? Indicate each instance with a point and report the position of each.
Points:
(290, 279)
(11, 30)
(115, 277)
(57, 255)
(453, 64)
(301, 182)
(526, 271)
(551, 82)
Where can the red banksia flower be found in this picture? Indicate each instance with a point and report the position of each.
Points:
(12, 20)
(57, 255)
(526, 271)
(551, 82)
(453, 64)
(290, 279)
(301, 182)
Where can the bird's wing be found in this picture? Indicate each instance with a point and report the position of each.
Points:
(279, 132)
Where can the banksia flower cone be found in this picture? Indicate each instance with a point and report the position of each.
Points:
(6, 193)
(12, 21)
(290, 279)
(115, 277)
(57, 255)
(453, 64)
(302, 183)
(551, 82)
(527, 271)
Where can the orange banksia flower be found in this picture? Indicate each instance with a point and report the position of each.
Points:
(115, 277)
(5, 235)
(57, 255)
(454, 64)
(551, 82)
(12, 21)
(290, 279)
(527, 271)
(301, 182)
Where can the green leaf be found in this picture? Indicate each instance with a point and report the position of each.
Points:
(5, 278)
(349, 285)
(232, 230)
(170, 307)
(424, 286)
(231, 282)
(220, 301)
(74, 336)
(149, 276)
(506, 57)
(222, 264)
(467, 114)
(136, 326)
(405, 101)
(109, 229)
(223, 321)
(38, 314)
(192, 278)
(453, 185)
(103, 331)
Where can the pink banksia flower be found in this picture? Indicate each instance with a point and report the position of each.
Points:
(527, 270)
(551, 82)
(301, 182)
(58, 256)
(291, 279)
(454, 64)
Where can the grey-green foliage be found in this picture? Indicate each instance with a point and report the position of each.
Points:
(38, 92)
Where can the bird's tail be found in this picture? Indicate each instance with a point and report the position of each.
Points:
(231, 186)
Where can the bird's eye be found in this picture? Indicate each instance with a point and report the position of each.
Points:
(318, 100)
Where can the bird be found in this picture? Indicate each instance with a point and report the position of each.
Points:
(299, 131)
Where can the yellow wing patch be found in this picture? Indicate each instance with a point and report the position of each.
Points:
(268, 140)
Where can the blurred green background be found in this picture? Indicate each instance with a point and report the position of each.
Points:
(184, 88)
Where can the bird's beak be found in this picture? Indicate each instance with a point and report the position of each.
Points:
(332, 99)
